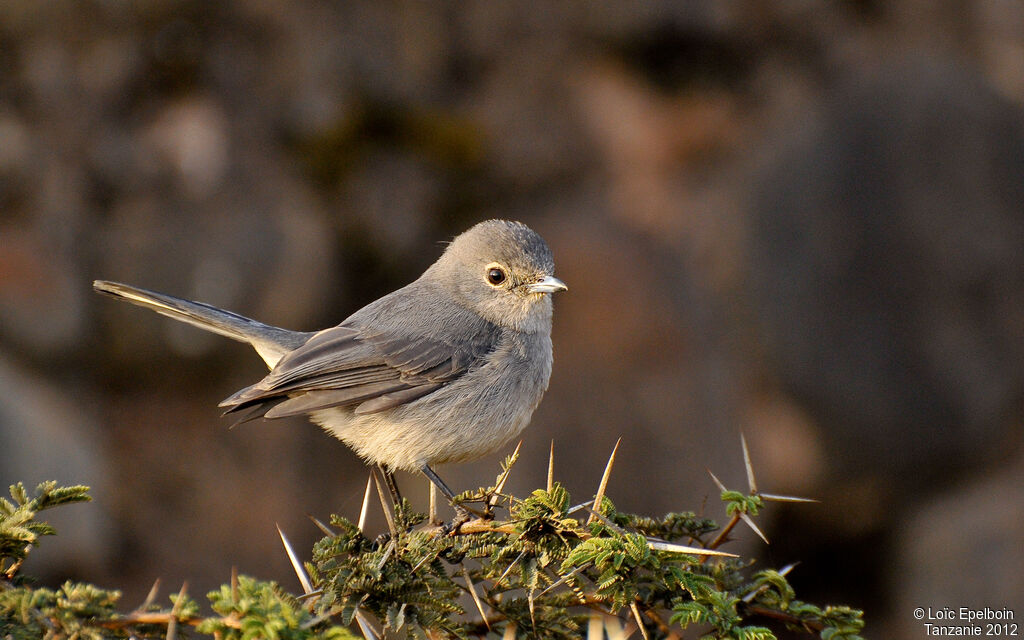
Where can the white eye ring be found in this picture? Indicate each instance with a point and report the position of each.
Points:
(496, 275)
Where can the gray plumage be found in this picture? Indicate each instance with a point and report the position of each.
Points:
(446, 369)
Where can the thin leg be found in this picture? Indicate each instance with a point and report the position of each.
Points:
(462, 514)
(438, 482)
(389, 480)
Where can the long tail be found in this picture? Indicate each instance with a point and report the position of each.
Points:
(271, 343)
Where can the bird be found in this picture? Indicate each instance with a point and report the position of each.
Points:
(446, 369)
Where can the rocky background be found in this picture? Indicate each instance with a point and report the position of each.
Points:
(801, 221)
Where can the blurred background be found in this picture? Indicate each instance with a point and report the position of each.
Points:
(802, 221)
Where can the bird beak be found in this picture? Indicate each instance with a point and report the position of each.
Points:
(547, 284)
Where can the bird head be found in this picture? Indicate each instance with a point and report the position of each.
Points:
(503, 271)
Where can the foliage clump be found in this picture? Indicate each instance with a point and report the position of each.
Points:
(549, 570)
(246, 609)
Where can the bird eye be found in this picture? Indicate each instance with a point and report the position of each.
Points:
(496, 275)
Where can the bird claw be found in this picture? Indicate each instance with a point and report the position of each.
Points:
(462, 516)
(382, 540)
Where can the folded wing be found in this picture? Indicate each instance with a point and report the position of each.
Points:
(369, 369)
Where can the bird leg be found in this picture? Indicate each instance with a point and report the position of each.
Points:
(438, 482)
(462, 514)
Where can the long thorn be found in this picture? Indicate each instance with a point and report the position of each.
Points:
(300, 571)
(321, 526)
(384, 505)
(433, 502)
(551, 466)
(599, 497)
(564, 579)
(364, 625)
(387, 554)
(172, 622)
(312, 594)
(751, 482)
(509, 568)
(366, 505)
(476, 597)
(639, 621)
(424, 560)
(529, 601)
(582, 505)
(750, 523)
(154, 591)
(661, 545)
(774, 497)
(715, 478)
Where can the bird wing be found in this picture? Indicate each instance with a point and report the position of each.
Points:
(369, 368)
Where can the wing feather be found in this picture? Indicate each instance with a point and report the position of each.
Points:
(372, 369)
(396, 398)
(325, 399)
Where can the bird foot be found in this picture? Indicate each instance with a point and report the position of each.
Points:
(462, 516)
(382, 540)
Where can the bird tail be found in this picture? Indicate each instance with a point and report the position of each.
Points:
(271, 343)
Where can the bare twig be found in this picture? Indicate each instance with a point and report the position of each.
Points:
(723, 535)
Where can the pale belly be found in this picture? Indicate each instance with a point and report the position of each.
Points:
(467, 419)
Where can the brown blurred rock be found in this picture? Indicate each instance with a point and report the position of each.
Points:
(888, 257)
(887, 267)
(963, 549)
(41, 300)
(47, 433)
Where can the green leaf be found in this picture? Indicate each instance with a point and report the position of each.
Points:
(534, 571)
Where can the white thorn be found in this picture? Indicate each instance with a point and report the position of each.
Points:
(300, 571)
(366, 506)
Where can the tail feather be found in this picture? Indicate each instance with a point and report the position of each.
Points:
(271, 343)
